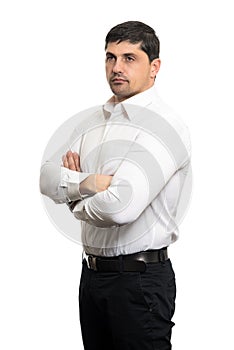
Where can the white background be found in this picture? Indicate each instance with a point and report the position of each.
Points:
(52, 66)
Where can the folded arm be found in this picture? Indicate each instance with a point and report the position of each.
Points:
(106, 201)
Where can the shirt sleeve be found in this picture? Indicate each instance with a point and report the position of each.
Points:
(61, 184)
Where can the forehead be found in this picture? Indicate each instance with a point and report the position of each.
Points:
(124, 47)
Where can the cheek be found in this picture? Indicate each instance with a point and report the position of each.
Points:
(108, 71)
(135, 78)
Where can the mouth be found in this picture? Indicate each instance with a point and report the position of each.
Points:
(118, 80)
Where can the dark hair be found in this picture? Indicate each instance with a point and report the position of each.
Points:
(136, 32)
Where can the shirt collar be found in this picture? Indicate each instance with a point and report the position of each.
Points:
(143, 99)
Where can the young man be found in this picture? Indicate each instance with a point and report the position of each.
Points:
(123, 179)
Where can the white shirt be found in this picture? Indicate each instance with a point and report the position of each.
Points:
(146, 147)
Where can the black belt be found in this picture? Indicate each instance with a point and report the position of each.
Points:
(127, 263)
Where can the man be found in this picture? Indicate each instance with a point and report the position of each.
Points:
(123, 178)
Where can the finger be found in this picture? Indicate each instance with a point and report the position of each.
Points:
(65, 162)
(76, 158)
(71, 163)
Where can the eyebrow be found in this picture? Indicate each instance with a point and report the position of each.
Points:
(125, 54)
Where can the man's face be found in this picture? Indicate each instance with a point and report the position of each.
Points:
(128, 69)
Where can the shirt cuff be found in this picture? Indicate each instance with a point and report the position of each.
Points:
(70, 181)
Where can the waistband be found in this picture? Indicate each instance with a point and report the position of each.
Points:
(126, 263)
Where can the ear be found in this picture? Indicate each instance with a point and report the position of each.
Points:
(155, 66)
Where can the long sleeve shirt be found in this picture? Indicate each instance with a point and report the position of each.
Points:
(145, 146)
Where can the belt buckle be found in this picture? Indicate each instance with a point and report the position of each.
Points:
(92, 262)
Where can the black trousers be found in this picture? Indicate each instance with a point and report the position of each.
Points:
(127, 310)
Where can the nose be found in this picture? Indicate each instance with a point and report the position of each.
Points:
(118, 66)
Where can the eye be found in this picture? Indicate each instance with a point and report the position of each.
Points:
(109, 58)
(129, 58)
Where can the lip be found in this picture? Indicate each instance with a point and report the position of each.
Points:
(118, 80)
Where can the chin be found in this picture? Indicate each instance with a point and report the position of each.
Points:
(119, 93)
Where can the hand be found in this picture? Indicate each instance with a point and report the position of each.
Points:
(102, 182)
(71, 160)
(93, 183)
